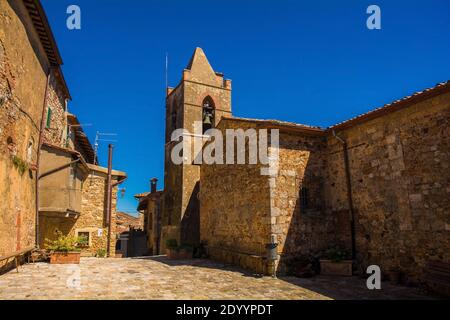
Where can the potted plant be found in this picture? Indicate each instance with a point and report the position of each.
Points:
(101, 253)
(394, 275)
(176, 252)
(336, 263)
(172, 248)
(185, 251)
(65, 249)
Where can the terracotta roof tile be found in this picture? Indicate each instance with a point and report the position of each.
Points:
(416, 97)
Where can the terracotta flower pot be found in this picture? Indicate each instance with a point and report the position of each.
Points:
(179, 254)
(172, 254)
(65, 258)
(185, 254)
(341, 268)
(394, 277)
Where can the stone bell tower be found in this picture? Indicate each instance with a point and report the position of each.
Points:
(204, 96)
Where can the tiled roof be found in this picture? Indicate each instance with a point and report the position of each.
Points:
(81, 139)
(46, 38)
(407, 101)
(40, 22)
(141, 195)
(278, 124)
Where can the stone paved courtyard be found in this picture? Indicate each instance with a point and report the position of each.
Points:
(160, 278)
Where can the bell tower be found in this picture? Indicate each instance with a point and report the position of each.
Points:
(204, 96)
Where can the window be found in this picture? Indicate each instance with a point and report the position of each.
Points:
(208, 116)
(49, 118)
(73, 176)
(174, 120)
(85, 236)
(304, 198)
(30, 150)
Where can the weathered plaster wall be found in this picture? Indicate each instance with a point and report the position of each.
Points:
(22, 85)
(92, 218)
(60, 191)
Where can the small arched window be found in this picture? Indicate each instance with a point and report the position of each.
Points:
(30, 150)
(208, 114)
(174, 119)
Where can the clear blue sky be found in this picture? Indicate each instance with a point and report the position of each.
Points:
(311, 62)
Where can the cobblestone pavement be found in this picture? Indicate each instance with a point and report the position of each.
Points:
(160, 278)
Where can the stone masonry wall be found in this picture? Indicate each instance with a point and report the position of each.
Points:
(22, 87)
(303, 229)
(399, 166)
(235, 212)
(124, 221)
(181, 207)
(56, 133)
(92, 218)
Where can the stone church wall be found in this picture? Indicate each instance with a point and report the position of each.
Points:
(235, 212)
(399, 166)
(302, 222)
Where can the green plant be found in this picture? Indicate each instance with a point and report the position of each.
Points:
(172, 244)
(20, 165)
(336, 254)
(186, 247)
(64, 243)
(101, 253)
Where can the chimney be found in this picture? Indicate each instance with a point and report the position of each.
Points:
(153, 185)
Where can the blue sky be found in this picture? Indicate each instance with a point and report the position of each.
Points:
(311, 62)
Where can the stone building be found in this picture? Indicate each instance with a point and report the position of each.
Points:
(151, 206)
(49, 175)
(202, 94)
(376, 185)
(125, 221)
(30, 80)
(72, 197)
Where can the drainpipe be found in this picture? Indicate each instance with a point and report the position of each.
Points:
(109, 200)
(110, 187)
(349, 193)
(38, 160)
(59, 168)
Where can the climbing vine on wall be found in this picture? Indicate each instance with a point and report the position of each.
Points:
(20, 164)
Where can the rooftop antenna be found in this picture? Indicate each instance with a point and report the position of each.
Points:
(98, 139)
(167, 71)
(69, 132)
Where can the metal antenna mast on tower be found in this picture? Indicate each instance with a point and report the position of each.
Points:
(167, 71)
(98, 138)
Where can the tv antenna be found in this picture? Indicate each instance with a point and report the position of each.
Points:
(99, 137)
(167, 70)
(80, 125)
